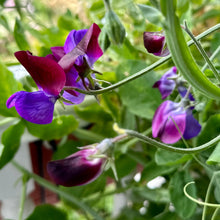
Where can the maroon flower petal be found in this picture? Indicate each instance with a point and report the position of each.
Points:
(77, 169)
(154, 43)
(47, 74)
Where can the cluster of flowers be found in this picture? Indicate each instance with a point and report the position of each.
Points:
(71, 66)
(172, 121)
(67, 66)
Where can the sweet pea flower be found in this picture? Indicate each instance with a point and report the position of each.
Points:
(80, 51)
(154, 42)
(37, 107)
(167, 82)
(163, 125)
(81, 167)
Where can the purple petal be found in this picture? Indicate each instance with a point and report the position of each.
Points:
(58, 52)
(163, 125)
(73, 96)
(183, 90)
(165, 52)
(34, 107)
(192, 127)
(87, 46)
(73, 39)
(160, 117)
(170, 132)
(166, 85)
(76, 169)
(47, 74)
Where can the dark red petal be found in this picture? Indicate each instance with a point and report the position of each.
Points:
(46, 72)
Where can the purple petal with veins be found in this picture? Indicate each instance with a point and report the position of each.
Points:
(35, 107)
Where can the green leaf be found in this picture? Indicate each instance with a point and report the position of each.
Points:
(92, 113)
(2, 2)
(152, 14)
(139, 96)
(48, 212)
(110, 102)
(8, 86)
(210, 130)
(68, 21)
(214, 158)
(11, 141)
(124, 165)
(19, 35)
(164, 157)
(101, 120)
(184, 207)
(59, 127)
(159, 195)
(4, 22)
(152, 170)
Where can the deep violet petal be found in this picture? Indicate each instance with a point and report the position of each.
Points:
(34, 107)
(192, 127)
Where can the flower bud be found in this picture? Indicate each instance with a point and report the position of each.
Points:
(81, 167)
(154, 43)
(114, 27)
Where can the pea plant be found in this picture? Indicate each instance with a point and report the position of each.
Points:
(128, 92)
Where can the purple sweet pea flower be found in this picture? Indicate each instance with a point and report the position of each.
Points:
(81, 50)
(163, 125)
(166, 84)
(154, 42)
(37, 107)
(81, 167)
(169, 81)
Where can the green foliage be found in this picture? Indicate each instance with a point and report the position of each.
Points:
(10, 142)
(142, 99)
(48, 212)
(8, 86)
(184, 207)
(19, 35)
(60, 127)
(152, 14)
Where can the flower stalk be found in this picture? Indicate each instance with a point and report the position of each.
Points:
(181, 55)
(57, 190)
(147, 69)
(202, 51)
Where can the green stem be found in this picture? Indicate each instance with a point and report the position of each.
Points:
(203, 53)
(146, 70)
(211, 58)
(181, 54)
(57, 190)
(107, 5)
(23, 195)
(214, 216)
(196, 200)
(155, 143)
(208, 193)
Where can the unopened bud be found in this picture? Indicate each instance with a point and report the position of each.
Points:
(114, 27)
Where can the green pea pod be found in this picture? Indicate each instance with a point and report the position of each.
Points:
(181, 54)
